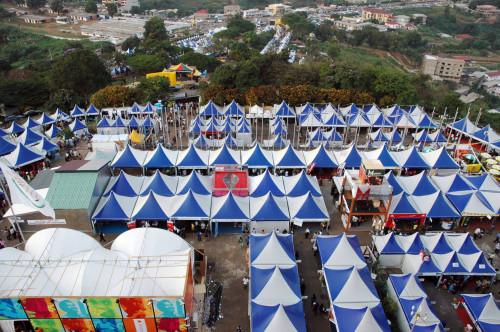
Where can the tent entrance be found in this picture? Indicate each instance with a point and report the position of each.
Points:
(228, 227)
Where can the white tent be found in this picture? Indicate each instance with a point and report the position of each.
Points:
(276, 290)
(230, 208)
(272, 252)
(341, 254)
(307, 208)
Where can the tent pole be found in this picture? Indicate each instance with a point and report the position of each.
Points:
(452, 129)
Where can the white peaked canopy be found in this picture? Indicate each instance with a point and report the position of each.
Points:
(439, 159)
(455, 183)
(320, 159)
(423, 310)
(200, 184)
(107, 207)
(224, 156)
(349, 286)
(407, 286)
(310, 120)
(413, 263)
(457, 240)
(483, 308)
(281, 322)
(308, 208)
(340, 251)
(276, 290)
(471, 204)
(124, 184)
(158, 154)
(443, 262)
(358, 120)
(230, 208)
(192, 157)
(404, 121)
(407, 242)
(271, 250)
(256, 111)
(435, 243)
(160, 184)
(349, 319)
(417, 184)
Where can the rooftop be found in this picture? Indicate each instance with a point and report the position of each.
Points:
(72, 191)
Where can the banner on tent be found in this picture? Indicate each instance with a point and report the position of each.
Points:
(169, 308)
(71, 308)
(171, 324)
(39, 307)
(78, 324)
(104, 308)
(139, 325)
(136, 308)
(108, 324)
(11, 309)
(52, 325)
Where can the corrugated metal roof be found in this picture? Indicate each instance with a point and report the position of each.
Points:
(71, 190)
(42, 180)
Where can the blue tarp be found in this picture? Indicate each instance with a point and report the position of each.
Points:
(151, 210)
(350, 319)
(159, 159)
(127, 159)
(257, 159)
(193, 184)
(122, 186)
(323, 160)
(262, 316)
(6, 147)
(270, 211)
(92, 110)
(267, 185)
(290, 159)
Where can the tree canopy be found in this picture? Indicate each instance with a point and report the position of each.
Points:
(91, 6)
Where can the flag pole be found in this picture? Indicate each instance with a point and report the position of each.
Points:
(451, 128)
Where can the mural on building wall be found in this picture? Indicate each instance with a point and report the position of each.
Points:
(171, 324)
(71, 308)
(104, 307)
(136, 308)
(78, 324)
(108, 325)
(39, 307)
(11, 309)
(139, 324)
(52, 325)
(169, 308)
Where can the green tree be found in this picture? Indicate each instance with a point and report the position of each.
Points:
(224, 76)
(154, 30)
(112, 9)
(91, 6)
(200, 61)
(113, 96)
(247, 75)
(80, 71)
(152, 89)
(145, 63)
(239, 51)
(131, 43)
(36, 3)
(57, 5)
(332, 49)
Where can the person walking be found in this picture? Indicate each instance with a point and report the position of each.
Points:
(307, 232)
(240, 241)
(199, 236)
(102, 239)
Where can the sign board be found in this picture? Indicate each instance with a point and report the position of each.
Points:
(47, 222)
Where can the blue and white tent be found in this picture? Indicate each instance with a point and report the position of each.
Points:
(114, 208)
(160, 184)
(311, 120)
(393, 111)
(387, 245)
(453, 183)
(118, 123)
(92, 110)
(272, 285)
(464, 125)
(288, 157)
(271, 249)
(407, 286)
(233, 109)
(269, 208)
(60, 115)
(6, 146)
(124, 185)
(440, 159)
(195, 182)
(402, 203)
(437, 137)
(351, 286)
(403, 121)
(423, 137)
(418, 184)
(484, 311)
(210, 109)
(307, 208)
(349, 110)
(348, 158)
(425, 121)
(47, 146)
(148, 109)
(104, 123)
(277, 142)
(260, 185)
(230, 208)
(353, 318)
(135, 108)
(278, 318)
(77, 125)
(379, 121)
(436, 205)
(14, 128)
(462, 243)
(151, 207)
(160, 158)
(472, 204)
(379, 136)
(283, 110)
(483, 182)
(358, 120)
(193, 158)
(301, 184)
(410, 158)
(3, 132)
(488, 136)
(147, 123)
(201, 142)
(30, 137)
(52, 132)
(129, 158)
(320, 158)
(491, 197)
(383, 155)
(307, 108)
(393, 181)
(257, 157)
(449, 263)
(436, 243)
(412, 307)
(77, 112)
(190, 206)
(23, 155)
(340, 251)
(413, 263)
(394, 136)
(278, 128)
(195, 128)
(133, 123)
(332, 120)
(30, 123)
(317, 135)
(45, 120)
(224, 156)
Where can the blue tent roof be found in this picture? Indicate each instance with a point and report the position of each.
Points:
(121, 186)
(415, 160)
(392, 246)
(263, 315)
(227, 128)
(261, 276)
(337, 278)
(303, 186)
(30, 137)
(15, 128)
(127, 159)
(349, 319)
(477, 181)
(351, 110)
(284, 110)
(334, 121)
(396, 111)
(60, 115)
(150, 210)
(6, 147)
(47, 145)
(310, 210)
(147, 122)
(328, 245)
(104, 123)
(477, 302)
(404, 206)
(270, 211)
(423, 137)
(195, 128)
(396, 136)
(353, 159)
(278, 128)
(441, 247)
(416, 246)
(201, 142)
(309, 109)
(257, 159)
(92, 110)
(191, 159)
(444, 161)
(399, 282)
(258, 243)
(409, 308)
(45, 119)
(426, 122)
(442, 208)
(148, 109)
(3, 132)
(24, 156)
(111, 210)
(209, 110)
(118, 123)
(77, 125)
(382, 121)
(230, 210)
(211, 127)
(133, 123)
(393, 181)
(468, 246)
(159, 159)
(290, 159)
(424, 186)
(54, 131)
(158, 186)
(135, 108)
(440, 138)
(380, 137)
(318, 136)
(190, 209)
(455, 266)
(230, 142)
(323, 160)
(224, 157)
(77, 111)
(31, 123)
(386, 159)
(482, 133)
(266, 185)
(244, 129)
(428, 267)
(482, 266)
(193, 184)
(234, 110)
